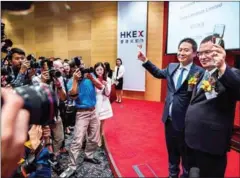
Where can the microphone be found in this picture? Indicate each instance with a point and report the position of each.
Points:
(194, 172)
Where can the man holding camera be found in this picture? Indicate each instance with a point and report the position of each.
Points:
(82, 90)
(58, 87)
(18, 67)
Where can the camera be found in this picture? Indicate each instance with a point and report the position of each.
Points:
(33, 62)
(40, 101)
(77, 61)
(48, 65)
(54, 73)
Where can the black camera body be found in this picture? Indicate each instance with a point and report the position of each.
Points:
(77, 61)
(33, 62)
(53, 73)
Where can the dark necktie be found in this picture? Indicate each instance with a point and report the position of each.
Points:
(117, 71)
(180, 78)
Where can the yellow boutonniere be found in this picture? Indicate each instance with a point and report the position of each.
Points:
(192, 81)
(206, 86)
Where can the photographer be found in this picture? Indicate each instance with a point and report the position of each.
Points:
(68, 112)
(32, 77)
(18, 66)
(35, 162)
(14, 125)
(48, 76)
(82, 90)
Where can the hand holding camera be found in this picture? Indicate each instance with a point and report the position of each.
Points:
(35, 135)
(25, 66)
(77, 75)
(14, 129)
(57, 83)
(46, 131)
(45, 77)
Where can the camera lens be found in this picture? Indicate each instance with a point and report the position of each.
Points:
(40, 101)
(58, 74)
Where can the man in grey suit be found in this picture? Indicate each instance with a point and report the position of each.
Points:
(177, 101)
(210, 115)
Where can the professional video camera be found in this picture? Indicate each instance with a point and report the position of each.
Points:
(40, 101)
(77, 61)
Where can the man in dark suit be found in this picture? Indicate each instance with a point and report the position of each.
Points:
(210, 115)
(177, 101)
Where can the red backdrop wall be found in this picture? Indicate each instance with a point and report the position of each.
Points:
(172, 58)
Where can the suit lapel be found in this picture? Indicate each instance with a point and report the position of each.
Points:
(200, 95)
(219, 88)
(196, 93)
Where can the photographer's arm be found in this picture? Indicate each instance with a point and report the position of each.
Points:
(60, 89)
(73, 93)
(62, 94)
(95, 82)
(107, 87)
(19, 81)
(73, 85)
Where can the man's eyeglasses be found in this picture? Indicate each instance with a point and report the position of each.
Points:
(206, 53)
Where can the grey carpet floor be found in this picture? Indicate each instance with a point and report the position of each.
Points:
(86, 169)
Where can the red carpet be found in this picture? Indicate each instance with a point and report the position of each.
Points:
(135, 136)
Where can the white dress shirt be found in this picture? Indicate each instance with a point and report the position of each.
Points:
(120, 72)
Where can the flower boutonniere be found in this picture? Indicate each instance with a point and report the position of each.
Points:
(208, 85)
(193, 81)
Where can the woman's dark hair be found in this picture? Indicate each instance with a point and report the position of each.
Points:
(104, 73)
(107, 67)
(119, 59)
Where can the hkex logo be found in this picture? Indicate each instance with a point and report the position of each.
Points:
(135, 36)
(131, 34)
